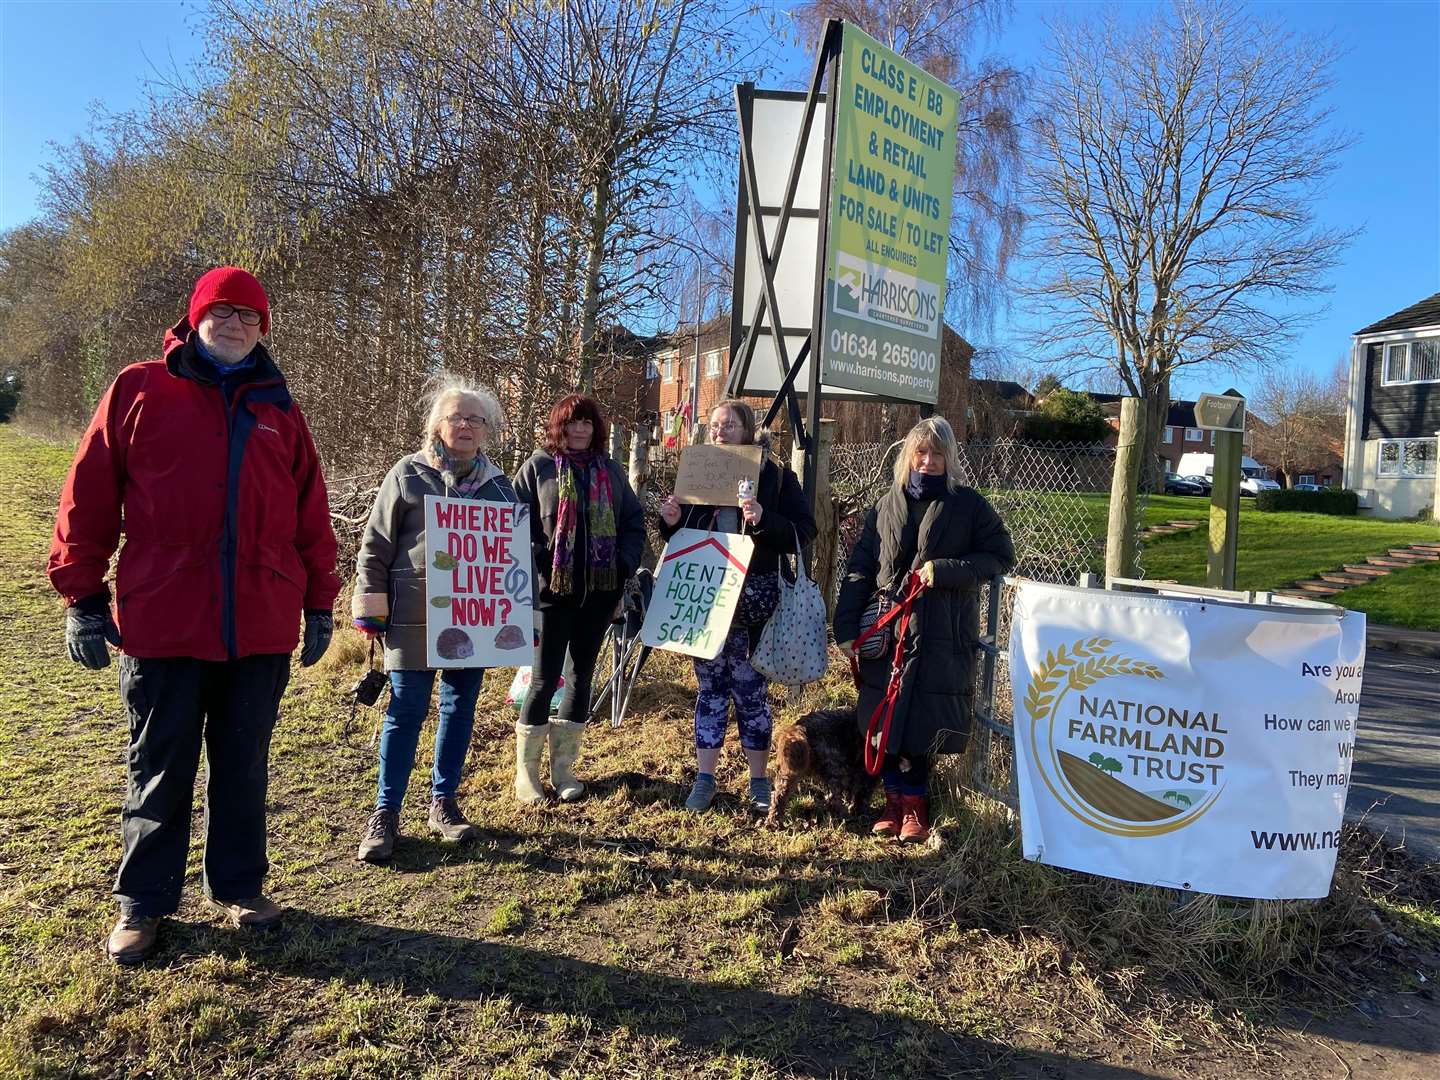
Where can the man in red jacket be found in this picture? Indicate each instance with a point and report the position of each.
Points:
(203, 460)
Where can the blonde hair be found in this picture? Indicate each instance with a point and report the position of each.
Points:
(441, 391)
(933, 432)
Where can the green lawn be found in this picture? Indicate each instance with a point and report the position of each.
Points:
(1409, 597)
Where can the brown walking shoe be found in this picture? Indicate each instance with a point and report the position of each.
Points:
(447, 820)
(915, 828)
(379, 839)
(132, 939)
(257, 913)
(888, 824)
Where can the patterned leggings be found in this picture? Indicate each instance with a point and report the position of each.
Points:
(730, 676)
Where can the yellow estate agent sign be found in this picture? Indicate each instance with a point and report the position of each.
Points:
(1200, 746)
(891, 184)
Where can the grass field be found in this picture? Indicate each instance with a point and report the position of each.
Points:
(622, 936)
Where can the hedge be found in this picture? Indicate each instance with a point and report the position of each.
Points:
(1337, 501)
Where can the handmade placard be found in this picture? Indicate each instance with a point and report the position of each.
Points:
(478, 583)
(696, 592)
(710, 473)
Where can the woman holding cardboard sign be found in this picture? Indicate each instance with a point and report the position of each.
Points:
(777, 517)
(389, 603)
(587, 532)
(929, 526)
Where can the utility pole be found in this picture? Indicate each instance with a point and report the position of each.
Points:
(695, 364)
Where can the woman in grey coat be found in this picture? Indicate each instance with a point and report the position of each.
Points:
(930, 523)
(389, 603)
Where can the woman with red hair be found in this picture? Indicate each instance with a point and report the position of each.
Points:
(587, 532)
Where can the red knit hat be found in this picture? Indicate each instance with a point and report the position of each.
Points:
(229, 285)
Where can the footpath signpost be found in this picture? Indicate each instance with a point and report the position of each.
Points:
(1185, 742)
(1223, 414)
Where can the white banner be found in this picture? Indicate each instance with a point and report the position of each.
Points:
(1196, 745)
(697, 588)
(478, 583)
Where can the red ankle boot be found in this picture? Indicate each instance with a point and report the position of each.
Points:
(890, 818)
(915, 823)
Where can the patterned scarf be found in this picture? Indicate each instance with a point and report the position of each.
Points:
(466, 478)
(599, 522)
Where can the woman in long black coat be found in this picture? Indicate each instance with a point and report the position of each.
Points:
(929, 522)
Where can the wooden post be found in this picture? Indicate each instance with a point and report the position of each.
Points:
(1224, 511)
(827, 537)
(1120, 537)
(640, 460)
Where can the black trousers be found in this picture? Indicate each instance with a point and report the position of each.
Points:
(570, 640)
(175, 705)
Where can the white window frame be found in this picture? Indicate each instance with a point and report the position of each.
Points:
(1169, 435)
(694, 360)
(1400, 469)
(670, 367)
(652, 368)
(1306, 478)
(1194, 434)
(712, 364)
(1406, 361)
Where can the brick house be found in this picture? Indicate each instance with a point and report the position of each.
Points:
(693, 370)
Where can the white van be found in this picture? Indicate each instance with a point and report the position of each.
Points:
(1252, 474)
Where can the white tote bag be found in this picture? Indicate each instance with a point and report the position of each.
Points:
(791, 649)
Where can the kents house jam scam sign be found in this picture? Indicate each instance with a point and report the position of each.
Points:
(477, 583)
(1200, 746)
(889, 223)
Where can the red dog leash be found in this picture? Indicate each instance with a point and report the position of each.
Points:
(885, 711)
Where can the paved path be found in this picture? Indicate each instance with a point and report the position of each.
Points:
(1395, 784)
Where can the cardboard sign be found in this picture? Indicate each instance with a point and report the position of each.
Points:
(696, 592)
(478, 583)
(1198, 746)
(710, 474)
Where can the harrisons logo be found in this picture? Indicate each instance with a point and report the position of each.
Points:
(878, 294)
(1113, 755)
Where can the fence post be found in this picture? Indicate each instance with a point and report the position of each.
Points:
(1120, 538)
(827, 536)
(640, 460)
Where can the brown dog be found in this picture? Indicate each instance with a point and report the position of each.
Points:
(825, 746)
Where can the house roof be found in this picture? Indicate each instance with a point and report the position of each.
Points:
(1424, 313)
(1003, 390)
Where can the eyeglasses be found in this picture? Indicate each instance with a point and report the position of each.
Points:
(728, 425)
(455, 420)
(224, 311)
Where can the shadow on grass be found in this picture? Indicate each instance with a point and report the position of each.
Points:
(804, 1034)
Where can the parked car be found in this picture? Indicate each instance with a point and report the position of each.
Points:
(1182, 485)
(1309, 487)
(1203, 481)
(1253, 485)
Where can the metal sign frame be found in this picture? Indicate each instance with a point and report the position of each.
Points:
(823, 81)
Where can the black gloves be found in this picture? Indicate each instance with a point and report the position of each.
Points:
(319, 625)
(88, 627)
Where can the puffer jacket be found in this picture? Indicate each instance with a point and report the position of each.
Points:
(390, 567)
(222, 505)
(969, 544)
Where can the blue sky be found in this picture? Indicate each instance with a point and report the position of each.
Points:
(58, 58)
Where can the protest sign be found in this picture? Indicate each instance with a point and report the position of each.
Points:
(710, 474)
(1198, 746)
(696, 592)
(478, 583)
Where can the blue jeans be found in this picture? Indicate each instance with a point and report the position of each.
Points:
(409, 702)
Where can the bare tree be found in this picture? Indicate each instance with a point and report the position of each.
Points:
(1175, 167)
(940, 36)
(1302, 422)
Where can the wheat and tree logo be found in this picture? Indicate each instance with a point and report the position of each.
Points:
(1091, 788)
